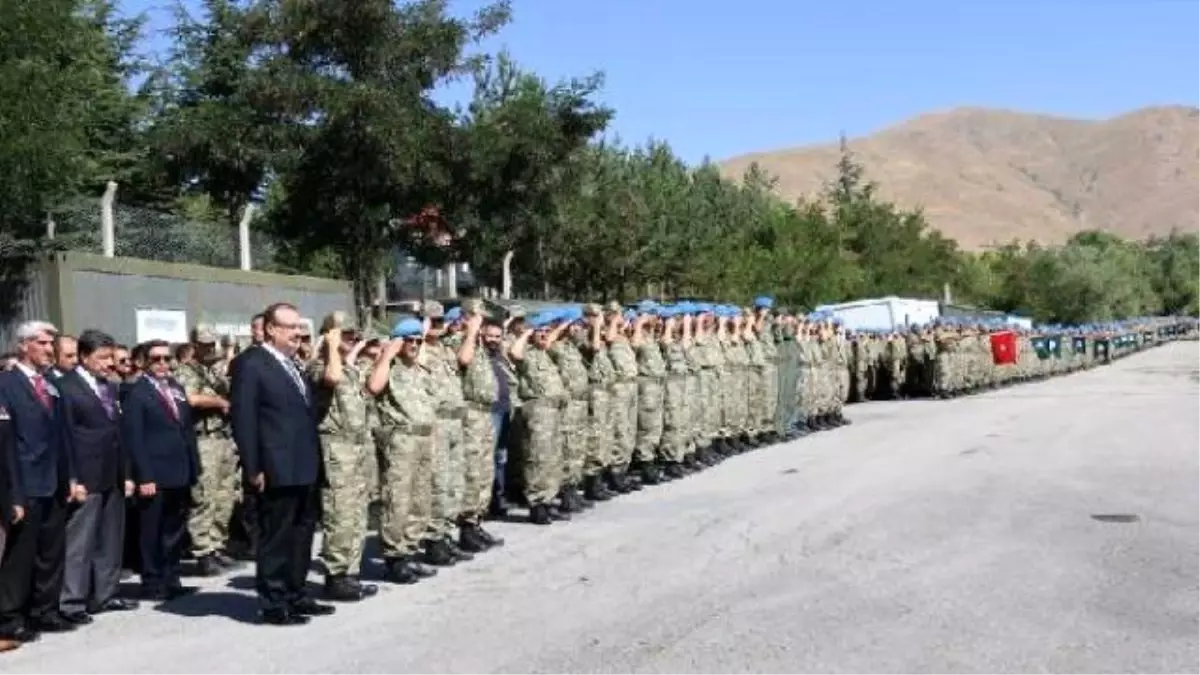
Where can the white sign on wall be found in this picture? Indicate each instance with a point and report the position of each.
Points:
(162, 324)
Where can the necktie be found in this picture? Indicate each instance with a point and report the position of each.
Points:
(168, 399)
(296, 379)
(105, 398)
(39, 388)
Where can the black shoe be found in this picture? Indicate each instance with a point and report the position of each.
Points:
(650, 474)
(310, 607)
(114, 605)
(559, 514)
(574, 500)
(207, 566)
(595, 490)
(459, 554)
(420, 569)
(540, 515)
(179, 591)
(282, 617)
(438, 554)
(79, 618)
(469, 539)
(226, 561)
(400, 571)
(488, 538)
(344, 588)
(54, 622)
(674, 471)
(19, 632)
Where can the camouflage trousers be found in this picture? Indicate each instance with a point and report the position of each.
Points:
(770, 406)
(405, 469)
(676, 419)
(214, 495)
(843, 385)
(708, 406)
(624, 416)
(649, 418)
(755, 398)
(574, 429)
(734, 400)
(344, 503)
(899, 371)
(543, 458)
(694, 402)
(447, 474)
(601, 434)
(943, 373)
(479, 462)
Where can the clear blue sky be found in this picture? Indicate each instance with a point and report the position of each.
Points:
(725, 78)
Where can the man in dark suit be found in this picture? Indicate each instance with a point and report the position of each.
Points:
(275, 429)
(160, 439)
(243, 538)
(95, 526)
(11, 513)
(31, 574)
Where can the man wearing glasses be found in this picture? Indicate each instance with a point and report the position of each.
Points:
(275, 430)
(157, 432)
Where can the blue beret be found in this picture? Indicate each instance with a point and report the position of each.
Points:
(764, 302)
(647, 307)
(572, 314)
(407, 328)
(454, 314)
(630, 315)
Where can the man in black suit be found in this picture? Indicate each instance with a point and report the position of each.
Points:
(95, 526)
(160, 439)
(11, 513)
(31, 574)
(275, 429)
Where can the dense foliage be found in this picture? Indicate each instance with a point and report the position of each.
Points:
(324, 112)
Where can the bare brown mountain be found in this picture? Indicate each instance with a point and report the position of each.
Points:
(988, 176)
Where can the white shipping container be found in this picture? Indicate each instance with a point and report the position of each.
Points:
(889, 313)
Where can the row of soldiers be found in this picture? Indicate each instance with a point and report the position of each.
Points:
(437, 425)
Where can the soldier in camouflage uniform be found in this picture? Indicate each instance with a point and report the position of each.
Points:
(573, 425)
(652, 371)
(481, 391)
(789, 377)
(625, 334)
(205, 379)
(341, 404)
(769, 370)
(676, 431)
(407, 407)
(447, 464)
(543, 397)
(698, 453)
(708, 349)
(602, 379)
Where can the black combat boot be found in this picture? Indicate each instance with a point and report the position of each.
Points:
(649, 473)
(207, 566)
(673, 471)
(594, 489)
(469, 539)
(491, 540)
(559, 513)
(695, 461)
(539, 514)
(571, 500)
(346, 588)
(438, 554)
(459, 554)
(616, 481)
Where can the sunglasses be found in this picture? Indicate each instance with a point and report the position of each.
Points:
(158, 359)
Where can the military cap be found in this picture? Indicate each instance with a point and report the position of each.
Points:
(614, 307)
(572, 314)
(542, 319)
(764, 302)
(432, 309)
(337, 320)
(406, 328)
(455, 314)
(647, 307)
(592, 309)
(517, 311)
(203, 334)
(630, 316)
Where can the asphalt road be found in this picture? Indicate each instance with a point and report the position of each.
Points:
(955, 536)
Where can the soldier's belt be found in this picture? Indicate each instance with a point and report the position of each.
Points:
(416, 429)
(361, 436)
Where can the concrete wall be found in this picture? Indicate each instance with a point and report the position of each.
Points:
(77, 291)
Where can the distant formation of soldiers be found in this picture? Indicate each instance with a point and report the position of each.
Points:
(454, 416)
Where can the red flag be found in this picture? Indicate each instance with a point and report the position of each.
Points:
(1004, 348)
